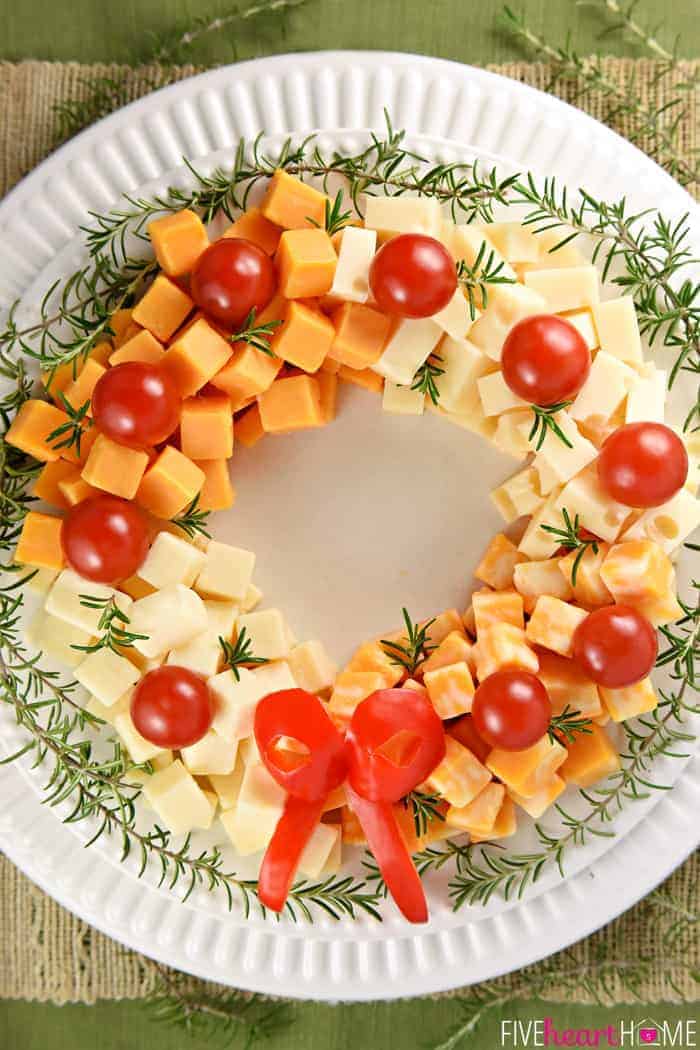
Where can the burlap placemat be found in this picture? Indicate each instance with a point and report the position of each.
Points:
(45, 952)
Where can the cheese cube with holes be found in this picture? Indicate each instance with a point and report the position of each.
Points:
(589, 588)
(647, 397)
(451, 689)
(534, 578)
(318, 850)
(583, 495)
(163, 308)
(567, 685)
(402, 215)
(637, 571)
(351, 278)
(536, 542)
(170, 484)
(519, 495)
(169, 618)
(66, 600)
(668, 525)
(498, 563)
(211, 754)
(178, 241)
(511, 433)
(206, 427)
(107, 675)
(251, 823)
(360, 335)
(504, 826)
(456, 318)
(237, 698)
(306, 263)
(507, 304)
(553, 624)
(539, 803)
(227, 572)
(407, 348)
(565, 288)
(268, 632)
(292, 204)
(496, 396)
(503, 645)
(39, 543)
(566, 461)
(618, 331)
(591, 756)
(374, 656)
(493, 607)
(454, 649)
(292, 403)
(171, 560)
(629, 702)
(56, 638)
(140, 749)
(462, 364)
(402, 400)
(478, 816)
(526, 772)
(608, 383)
(178, 799)
(460, 776)
(312, 667)
(350, 688)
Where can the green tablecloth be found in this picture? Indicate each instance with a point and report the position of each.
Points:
(459, 29)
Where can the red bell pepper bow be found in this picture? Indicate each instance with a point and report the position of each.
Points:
(394, 741)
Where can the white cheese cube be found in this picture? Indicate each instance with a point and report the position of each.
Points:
(567, 255)
(582, 321)
(228, 785)
(312, 667)
(140, 749)
(236, 700)
(668, 525)
(647, 397)
(202, 654)
(335, 859)
(318, 850)
(547, 479)
(462, 364)
(408, 347)
(351, 279)
(402, 400)
(221, 617)
(507, 304)
(515, 242)
(597, 512)
(211, 754)
(605, 388)
(470, 417)
(108, 714)
(249, 751)
(402, 214)
(227, 572)
(42, 580)
(455, 318)
(178, 799)
(565, 288)
(69, 591)
(168, 618)
(536, 543)
(253, 596)
(171, 560)
(618, 331)
(511, 434)
(518, 495)
(160, 761)
(107, 675)
(251, 823)
(56, 638)
(268, 633)
(496, 396)
(467, 243)
(565, 461)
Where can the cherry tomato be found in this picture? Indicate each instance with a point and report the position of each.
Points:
(511, 710)
(545, 360)
(172, 707)
(413, 276)
(231, 278)
(136, 404)
(615, 646)
(643, 464)
(105, 539)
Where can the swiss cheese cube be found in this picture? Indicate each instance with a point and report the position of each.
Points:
(519, 495)
(318, 849)
(668, 525)
(515, 242)
(565, 460)
(201, 654)
(507, 304)
(178, 799)
(553, 624)
(456, 318)
(606, 386)
(107, 675)
(169, 618)
(140, 749)
(646, 400)
(228, 786)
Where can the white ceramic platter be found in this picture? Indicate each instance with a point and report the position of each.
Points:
(342, 540)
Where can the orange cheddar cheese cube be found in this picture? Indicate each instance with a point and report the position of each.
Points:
(526, 772)
(504, 826)
(630, 701)
(478, 816)
(40, 542)
(535, 578)
(292, 403)
(591, 756)
(291, 204)
(32, 427)
(492, 607)
(56, 380)
(590, 591)
(498, 563)
(206, 428)
(141, 347)
(363, 377)
(136, 588)
(248, 427)
(451, 689)
(553, 624)
(328, 393)
(540, 802)
(114, 468)
(373, 656)
(567, 685)
(101, 352)
(350, 688)
(46, 485)
(503, 645)
(88, 437)
(253, 226)
(248, 373)
(460, 776)
(119, 323)
(305, 337)
(75, 488)
(170, 484)
(637, 571)
(360, 335)
(306, 263)
(195, 357)
(80, 390)
(178, 241)
(162, 309)
(453, 649)
(351, 829)
(217, 492)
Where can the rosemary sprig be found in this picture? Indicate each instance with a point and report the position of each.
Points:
(424, 379)
(571, 540)
(111, 625)
(545, 419)
(625, 23)
(475, 278)
(179, 43)
(240, 653)
(193, 521)
(257, 335)
(413, 649)
(425, 808)
(567, 724)
(335, 219)
(70, 434)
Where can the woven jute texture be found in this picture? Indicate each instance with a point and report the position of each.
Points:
(48, 954)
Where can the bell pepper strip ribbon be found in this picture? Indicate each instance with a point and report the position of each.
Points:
(307, 775)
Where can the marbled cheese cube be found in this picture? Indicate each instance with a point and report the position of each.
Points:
(493, 607)
(210, 755)
(501, 646)
(539, 803)
(68, 593)
(56, 638)
(479, 815)
(553, 624)
(567, 685)
(535, 578)
(527, 772)
(408, 347)
(451, 689)
(402, 400)
(227, 572)
(460, 776)
(351, 278)
(498, 563)
(178, 799)
(169, 618)
(107, 675)
(618, 331)
(629, 702)
(268, 633)
(171, 560)
(312, 667)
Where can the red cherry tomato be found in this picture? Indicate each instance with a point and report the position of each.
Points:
(643, 464)
(545, 360)
(172, 707)
(413, 276)
(231, 278)
(615, 646)
(511, 710)
(136, 404)
(105, 539)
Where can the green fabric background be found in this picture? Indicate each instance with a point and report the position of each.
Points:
(465, 30)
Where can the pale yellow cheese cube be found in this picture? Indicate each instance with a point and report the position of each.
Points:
(202, 654)
(526, 772)
(618, 330)
(351, 277)
(584, 496)
(56, 638)
(566, 461)
(178, 800)
(496, 396)
(41, 580)
(318, 850)
(228, 786)
(517, 496)
(460, 776)
(227, 572)
(536, 542)
(107, 675)
(507, 304)
(565, 288)
(211, 754)
(221, 617)
(451, 689)
(410, 344)
(478, 816)
(402, 214)
(553, 252)
(67, 597)
(606, 386)
(236, 698)
(168, 618)
(312, 667)
(535, 578)
(402, 400)
(140, 749)
(462, 364)
(108, 714)
(540, 802)
(512, 433)
(503, 645)
(582, 320)
(515, 242)
(252, 597)
(456, 318)
(553, 624)
(334, 861)
(268, 633)
(629, 702)
(251, 823)
(171, 560)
